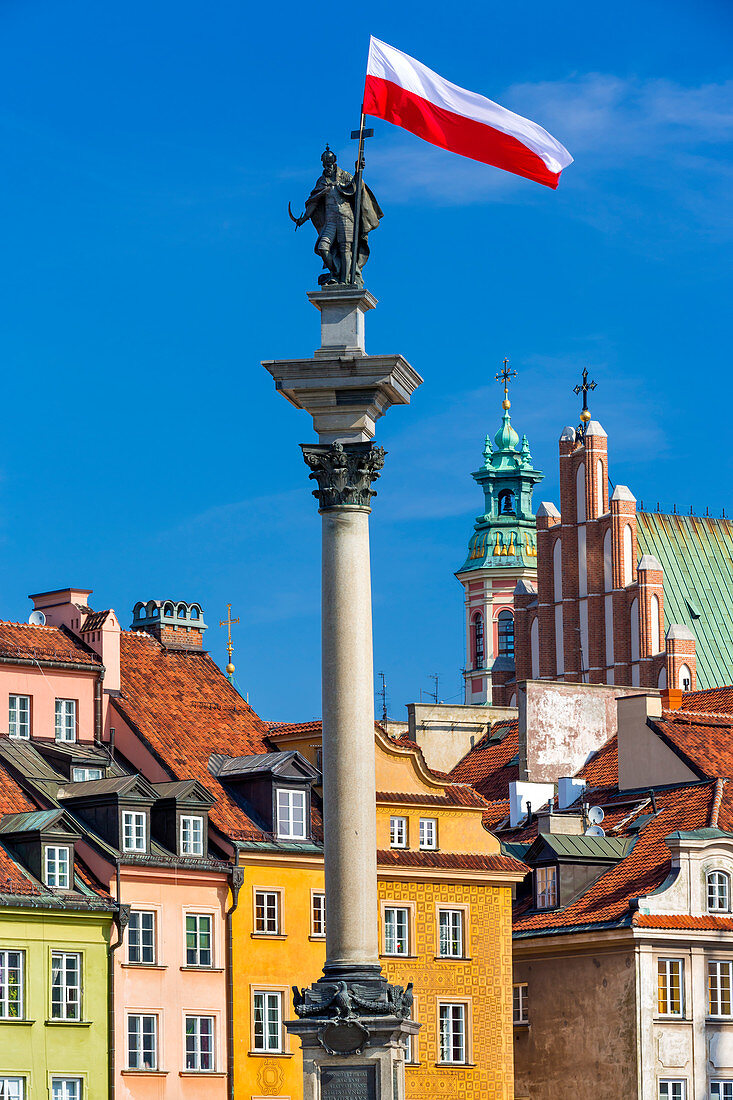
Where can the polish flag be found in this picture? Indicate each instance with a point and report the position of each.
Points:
(402, 91)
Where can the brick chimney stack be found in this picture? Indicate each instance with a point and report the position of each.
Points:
(176, 625)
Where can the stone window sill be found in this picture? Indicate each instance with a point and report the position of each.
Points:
(204, 969)
(14, 1022)
(455, 1065)
(271, 1053)
(144, 1072)
(453, 958)
(521, 1024)
(201, 1073)
(268, 935)
(69, 1023)
(318, 938)
(143, 966)
(671, 1020)
(384, 956)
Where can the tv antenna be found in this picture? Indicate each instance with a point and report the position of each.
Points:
(382, 693)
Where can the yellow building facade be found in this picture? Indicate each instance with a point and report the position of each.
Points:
(445, 895)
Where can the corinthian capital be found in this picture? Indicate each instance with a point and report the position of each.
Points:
(344, 472)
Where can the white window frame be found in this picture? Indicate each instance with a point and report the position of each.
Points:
(68, 1006)
(546, 886)
(450, 919)
(131, 822)
(12, 960)
(394, 916)
(57, 869)
(398, 832)
(451, 1014)
(720, 988)
(267, 912)
(191, 844)
(286, 803)
(16, 1083)
(520, 1001)
(65, 719)
(261, 1040)
(141, 933)
(19, 717)
(665, 969)
(667, 1090)
(318, 914)
(198, 951)
(428, 834)
(82, 775)
(139, 1051)
(721, 1088)
(718, 899)
(64, 1093)
(193, 1052)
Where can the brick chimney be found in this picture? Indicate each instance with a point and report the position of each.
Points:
(176, 625)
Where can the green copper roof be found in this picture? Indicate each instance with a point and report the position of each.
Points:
(696, 554)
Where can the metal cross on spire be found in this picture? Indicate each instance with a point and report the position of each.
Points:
(229, 623)
(584, 388)
(504, 376)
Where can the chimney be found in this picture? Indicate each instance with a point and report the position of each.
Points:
(63, 606)
(176, 625)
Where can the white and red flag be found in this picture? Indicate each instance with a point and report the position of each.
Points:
(401, 90)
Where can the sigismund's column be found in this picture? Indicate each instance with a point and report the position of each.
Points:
(352, 1024)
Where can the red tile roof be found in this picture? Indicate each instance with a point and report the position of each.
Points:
(452, 861)
(186, 709)
(453, 794)
(602, 768)
(686, 807)
(718, 700)
(43, 643)
(488, 766)
(13, 880)
(278, 729)
(708, 922)
(705, 742)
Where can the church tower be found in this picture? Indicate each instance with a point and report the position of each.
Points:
(501, 552)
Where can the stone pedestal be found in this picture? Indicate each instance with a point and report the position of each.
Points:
(376, 1071)
(352, 1023)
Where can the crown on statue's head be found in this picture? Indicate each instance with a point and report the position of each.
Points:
(328, 157)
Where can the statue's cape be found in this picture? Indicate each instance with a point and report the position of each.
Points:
(371, 211)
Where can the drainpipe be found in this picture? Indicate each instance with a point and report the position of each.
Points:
(98, 717)
(121, 920)
(237, 881)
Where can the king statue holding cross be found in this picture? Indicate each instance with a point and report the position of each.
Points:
(334, 206)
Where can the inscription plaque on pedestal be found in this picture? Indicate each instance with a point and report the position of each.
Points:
(349, 1082)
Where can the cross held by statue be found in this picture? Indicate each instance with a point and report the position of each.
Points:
(504, 377)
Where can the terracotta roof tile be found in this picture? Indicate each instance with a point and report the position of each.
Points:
(708, 922)
(44, 643)
(643, 870)
(453, 794)
(277, 729)
(718, 699)
(602, 768)
(186, 709)
(455, 861)
(705, 742)
(13, 880)
(489, 766)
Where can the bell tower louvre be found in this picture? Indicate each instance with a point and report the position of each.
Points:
(502, 552)
(596, 614)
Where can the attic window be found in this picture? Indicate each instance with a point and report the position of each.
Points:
(83, 775)
(291, 824)
(133, 831)
(718, 892)
(57, 862)
(192, 836)
(546, 887)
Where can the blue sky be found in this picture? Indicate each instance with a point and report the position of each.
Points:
(148, 265)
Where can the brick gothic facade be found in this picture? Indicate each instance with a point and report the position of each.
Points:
(597, 614)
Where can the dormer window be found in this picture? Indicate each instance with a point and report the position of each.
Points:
(546, 887)
(57, 866)
(192, 836)
(718, 892)
(83, 775)
(291, 823)
(134, 831)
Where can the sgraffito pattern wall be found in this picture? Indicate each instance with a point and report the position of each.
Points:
(484, 979)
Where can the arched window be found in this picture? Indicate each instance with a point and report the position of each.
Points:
(534, 648)
(505, 620)
(654, 624)
(685, 678)
(182, 611)
(607, 562)
(194, 612)
(634, 627)
(557, 569)
(662, 681)
(506, 503)
(600, 500)
(151, 609)
(718, 892)
(580, 492)
(478, 640)
(138, 613)
(628, 552)
(168, 610)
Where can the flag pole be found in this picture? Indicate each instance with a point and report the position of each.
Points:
(357, 200)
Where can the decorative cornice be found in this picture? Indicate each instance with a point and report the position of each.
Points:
(344, 472)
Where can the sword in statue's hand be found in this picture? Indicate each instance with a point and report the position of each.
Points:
(298, 221)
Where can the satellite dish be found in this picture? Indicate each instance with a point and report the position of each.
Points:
(595, 815)
(37, 618)
(595, 830)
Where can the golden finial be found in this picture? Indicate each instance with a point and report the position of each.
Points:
(229, 623)
(504, 377)
(584, 388)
